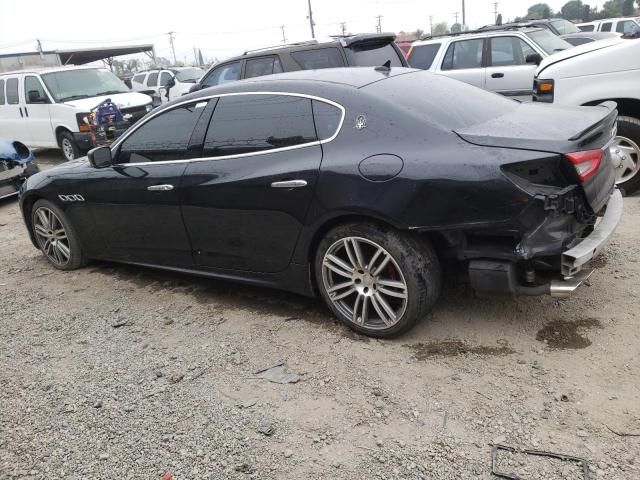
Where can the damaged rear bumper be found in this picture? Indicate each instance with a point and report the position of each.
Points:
(574, 259)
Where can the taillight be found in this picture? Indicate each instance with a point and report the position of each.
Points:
(586, 163)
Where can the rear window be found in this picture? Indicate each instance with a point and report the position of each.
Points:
(372, 54)
(587, 28)
(464, 54)
(606, 27)
(139, 78)
(1, 92)
(318, 58)
(549, 42)
(436, 100)
(152, 81)
(422, 56)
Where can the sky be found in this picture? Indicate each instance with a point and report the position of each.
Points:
(222, 28)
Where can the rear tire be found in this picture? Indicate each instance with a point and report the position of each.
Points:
(56, 237)
(376, 280)
(627, 142)
(68, 145)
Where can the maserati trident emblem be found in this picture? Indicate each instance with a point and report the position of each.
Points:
(361, 122)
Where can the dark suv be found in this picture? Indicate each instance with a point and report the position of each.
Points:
(362, 50)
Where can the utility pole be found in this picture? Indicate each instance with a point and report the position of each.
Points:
(495, 12)
(464, 15)
(284, 39)
(379, 27)
(430, 24)
(456, 16)
(173, 48)
(343, 28)
(40, 47)
(313, 33)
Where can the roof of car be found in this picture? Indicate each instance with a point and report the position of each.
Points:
(51, 69)
(474, 34)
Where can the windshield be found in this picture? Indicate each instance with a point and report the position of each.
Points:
(189, 75)
(74, 84)
(548, 41)
(372, 54)
(564, 26)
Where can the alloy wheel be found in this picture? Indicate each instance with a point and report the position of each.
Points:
(51, 236)
(67, 149)
(625, 154)
(364, 283)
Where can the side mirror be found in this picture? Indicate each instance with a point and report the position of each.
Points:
(534, 58)
(34, 97)
(100, 157)
(171, 83)
(195, 87)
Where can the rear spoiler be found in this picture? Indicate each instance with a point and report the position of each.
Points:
(594, 131)
(355, 40)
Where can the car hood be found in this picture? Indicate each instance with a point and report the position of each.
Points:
(577, 51)
(122, 100)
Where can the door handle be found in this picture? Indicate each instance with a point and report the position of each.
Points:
(21, 115)
(26, 112)
(289, 184)
(497, 75)
(160, 188)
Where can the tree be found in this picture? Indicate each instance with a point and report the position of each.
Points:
(612, 8)
(419, 33)
(628, 8)
(538, 11)
(441, 28)
(586, 14)
(499, 19)
(573, 10)
(456, 28)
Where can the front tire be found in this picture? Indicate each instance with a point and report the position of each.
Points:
(56, 237)
(625, 150)
(68, 145)
(376, 280)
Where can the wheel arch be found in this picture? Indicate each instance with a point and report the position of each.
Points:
(59, 130)
(27, 208)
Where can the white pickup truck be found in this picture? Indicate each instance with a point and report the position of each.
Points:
(591, 74)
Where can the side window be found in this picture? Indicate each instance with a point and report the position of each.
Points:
(626, 26)
(152, 80)
(509, 51)
(422, 56)
(255, 123)
(138, 78)
(464, 54)
(328, 119)
(12, 91)
(223, 74)
(257, 67)
(606, 27)
(164, 78)
(318, 58)
(2, 92)
(587, 28)
(165, 137)
(33, 84)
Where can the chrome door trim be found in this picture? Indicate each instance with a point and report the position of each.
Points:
(289, 184)
(160, 188)
(129, 132)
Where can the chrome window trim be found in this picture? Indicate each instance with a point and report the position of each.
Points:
(120, 140)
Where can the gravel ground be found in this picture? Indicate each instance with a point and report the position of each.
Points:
(115, 371)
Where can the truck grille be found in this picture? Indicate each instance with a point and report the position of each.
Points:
(136, 113)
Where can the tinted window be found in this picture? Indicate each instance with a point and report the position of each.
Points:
(254, 123)
(1, 92)
(33, 84)
(164, 137)
(587, 28)
(152, 80)
(327, 119)
(422, 56)
(627, 26)
(464, 54)
(509, 51)
(223, 74)
(12, 91)
(549, 42)
(318, 58)
(564, 26)
(257, 67)
(139, 78)
(372, 54)
(436, 100)
(575, 41)
(164, 78)
(606, 27)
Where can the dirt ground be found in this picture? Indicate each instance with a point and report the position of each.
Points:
(118, 372)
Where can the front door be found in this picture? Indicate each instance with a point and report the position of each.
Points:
(245, 202)
(508, 72)
(37, 111)
(136, 202)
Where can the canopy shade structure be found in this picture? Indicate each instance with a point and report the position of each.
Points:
(88, 55)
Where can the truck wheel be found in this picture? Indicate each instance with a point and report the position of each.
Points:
(68, 145)
(625, 153)
(377, 280)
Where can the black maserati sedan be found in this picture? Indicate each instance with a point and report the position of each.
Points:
(355, 184)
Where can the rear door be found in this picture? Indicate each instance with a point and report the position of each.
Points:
(465, 61)
(13, 124)
(507, 72)
(245, 201)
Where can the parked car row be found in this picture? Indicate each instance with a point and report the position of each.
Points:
(167, 84)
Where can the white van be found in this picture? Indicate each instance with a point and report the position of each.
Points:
(620, 25)
(168, 84)
(45, 108)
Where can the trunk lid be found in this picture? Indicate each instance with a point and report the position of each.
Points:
(558, 130)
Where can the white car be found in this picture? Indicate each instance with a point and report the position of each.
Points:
(591, 74)
(502, 61)
(168, 84)
(45, 108)
(620, 25)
